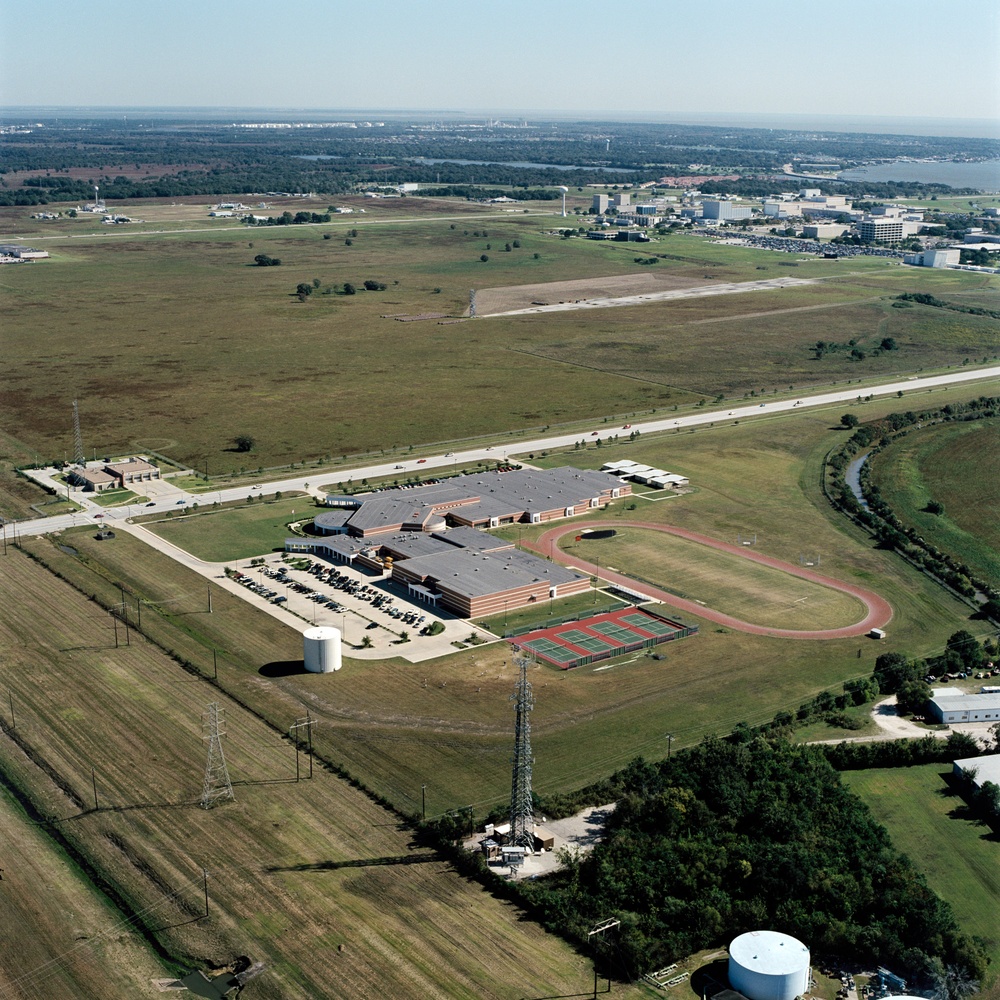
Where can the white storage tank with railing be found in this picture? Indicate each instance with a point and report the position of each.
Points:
(321, 649)
(769, 965)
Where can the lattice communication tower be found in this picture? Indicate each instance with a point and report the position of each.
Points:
(217, 786)
(522, 818)
(472, 303)
(78, 456)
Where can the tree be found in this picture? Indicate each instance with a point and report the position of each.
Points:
(849, 420)
(483, 258)
(303, 290)
(244, 442)
(912, 697)
(349, 289)
(935, 507)
(375, 286)
(262, 260)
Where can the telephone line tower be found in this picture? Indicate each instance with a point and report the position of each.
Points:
(78, 456)
(472, 303)
(522, 818)
(217, 786)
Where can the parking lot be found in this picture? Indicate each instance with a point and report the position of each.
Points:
(371, 612)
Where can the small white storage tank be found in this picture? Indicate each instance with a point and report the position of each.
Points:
(769, 965)
(321, 649)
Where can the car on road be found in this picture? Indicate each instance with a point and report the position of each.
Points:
(152, 503)
(399, 466)
(182, 501)
(420, 461)
(371, 625)
(449, 454)
(593, 434)
(625, 427)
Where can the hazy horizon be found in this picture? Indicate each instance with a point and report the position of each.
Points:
(857, 60)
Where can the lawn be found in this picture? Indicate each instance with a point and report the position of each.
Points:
(719, 580)
(957, 465)
(929, 823)
(229, 533)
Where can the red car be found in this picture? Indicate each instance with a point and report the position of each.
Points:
(420, 461)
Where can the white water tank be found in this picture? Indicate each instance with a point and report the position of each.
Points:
(769, 965)
(321, 649)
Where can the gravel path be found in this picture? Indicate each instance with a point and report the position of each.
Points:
(877, 615)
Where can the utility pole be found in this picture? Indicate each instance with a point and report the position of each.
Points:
(93, 778)
(670, 740)
(604, 925)
(423, 802)
(215, 664)
(10, 698)
(209, 598)
(204, 875)
(306, 724)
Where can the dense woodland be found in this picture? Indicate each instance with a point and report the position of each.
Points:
(159, 156)
(743, 833)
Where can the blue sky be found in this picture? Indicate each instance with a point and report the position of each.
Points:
(656, 57)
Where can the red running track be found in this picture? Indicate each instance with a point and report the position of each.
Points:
(878, 610)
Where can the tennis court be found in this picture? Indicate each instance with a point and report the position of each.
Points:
(624, 630)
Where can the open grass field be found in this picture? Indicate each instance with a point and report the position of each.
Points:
(162, 312)
(310, 877)
(235, 532)
(58, 937)
(747, 590)
(929, 823)
(957, 465)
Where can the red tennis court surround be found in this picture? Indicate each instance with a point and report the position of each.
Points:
(626, 630)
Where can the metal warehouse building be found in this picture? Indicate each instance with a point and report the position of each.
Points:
(966, 708)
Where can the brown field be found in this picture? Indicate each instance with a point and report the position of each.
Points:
(311, 877)
(497, 300)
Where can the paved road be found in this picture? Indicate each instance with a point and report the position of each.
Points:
(169, 497)
(877, 615)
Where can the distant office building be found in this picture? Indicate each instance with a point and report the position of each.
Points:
(879, 230)
(600, 204)
(621, 200)
(724, 211)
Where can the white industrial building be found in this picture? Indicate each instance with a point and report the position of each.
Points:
(769, 965)
(934, 258)
(965, 708)
(724, 211)
(979, 769)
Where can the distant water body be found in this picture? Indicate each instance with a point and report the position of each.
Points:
(983, 176)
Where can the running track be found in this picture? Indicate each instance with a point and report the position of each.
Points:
(877, 615)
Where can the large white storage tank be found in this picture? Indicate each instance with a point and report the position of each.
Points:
(769, 965)
(321, 649)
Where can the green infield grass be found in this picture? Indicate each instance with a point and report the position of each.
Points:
(720, 580)
(929, 822)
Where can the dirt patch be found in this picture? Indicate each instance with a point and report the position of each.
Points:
(496, 300)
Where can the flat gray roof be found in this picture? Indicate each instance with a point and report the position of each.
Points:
(986, 768)
(967, 702)
(476, 574)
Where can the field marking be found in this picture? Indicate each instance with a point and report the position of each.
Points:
(878, 610)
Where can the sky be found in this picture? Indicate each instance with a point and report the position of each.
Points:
(892, 58)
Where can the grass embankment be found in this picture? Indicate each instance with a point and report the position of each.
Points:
(354, 370)
(296, 869)
(957, 465)
(722, 581)
(929, 822)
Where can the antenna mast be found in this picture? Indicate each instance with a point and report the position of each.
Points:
(217, 786)
(522, 819)
(78, 456)
(472, 303)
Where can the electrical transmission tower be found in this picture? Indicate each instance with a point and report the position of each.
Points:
(217, 787)
(472, 303)
(78, 456)
(522, 819)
